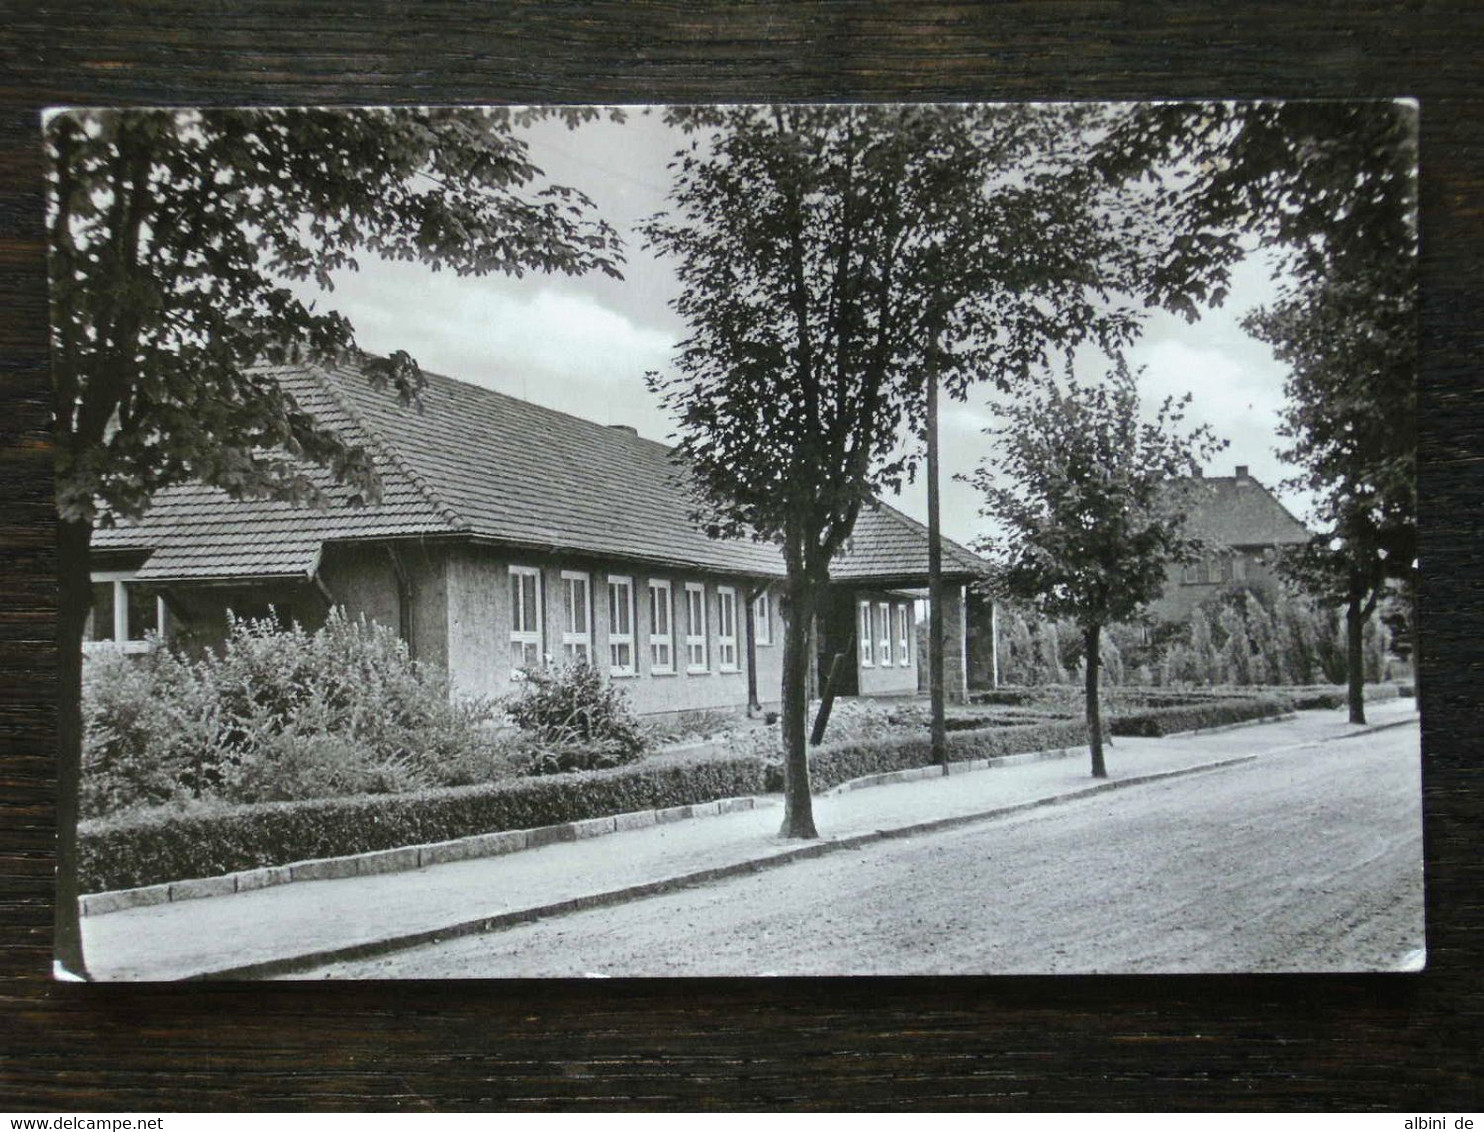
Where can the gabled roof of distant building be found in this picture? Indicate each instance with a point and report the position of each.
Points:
(473, 463)
(1236, 511)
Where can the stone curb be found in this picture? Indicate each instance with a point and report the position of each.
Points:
(1370, 728)
(403, 859)
(961, 766)
(299, 964)
(1289, 716)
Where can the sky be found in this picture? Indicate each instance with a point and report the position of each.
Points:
(583, 344)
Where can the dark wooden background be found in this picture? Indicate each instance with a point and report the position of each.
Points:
(1284, 1042)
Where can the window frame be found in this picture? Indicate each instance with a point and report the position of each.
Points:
(614, 639)
(665, 640)
(762, 619)
(865, 631)
(694, 640)
(121, 641)
(883, 639)
(904, 635)
(525, 637)
(726, 600)
(571, 638)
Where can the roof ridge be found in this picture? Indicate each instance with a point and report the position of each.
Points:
(387, 449)
(615, 429)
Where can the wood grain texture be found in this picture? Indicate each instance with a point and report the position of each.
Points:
(1073, 1043)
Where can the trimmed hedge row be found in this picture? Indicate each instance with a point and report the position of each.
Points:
(833, 763)
(169, 844)
(1189, 717)
(1323, 697)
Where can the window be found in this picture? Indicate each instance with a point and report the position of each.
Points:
(577, 618)
(1213, 568)
(762, 619)
(1192, 573)
(620, 626)
(883, 642)
(904, 635)
(661, 629)
(695, 627)
(123, 613)
(1239, 567)
(726, 629)
(866, 636)
(525, 620)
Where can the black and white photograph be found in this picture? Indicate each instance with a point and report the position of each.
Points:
(737, 540)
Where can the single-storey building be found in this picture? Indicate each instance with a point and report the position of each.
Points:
(1242, 525)
(511, 536)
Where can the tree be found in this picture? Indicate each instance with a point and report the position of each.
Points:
(1332, 188)
(835, 261)
(1351, 417)
(176, 239)
(1080, 489)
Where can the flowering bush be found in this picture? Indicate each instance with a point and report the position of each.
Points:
(576, 721)
(278, 715)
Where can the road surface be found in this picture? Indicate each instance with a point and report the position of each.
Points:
(1308, 860)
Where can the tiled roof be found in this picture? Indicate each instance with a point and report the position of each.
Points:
(888, 545)
(1236, 511)
(477, 463)
(199, 533)
(520, 473)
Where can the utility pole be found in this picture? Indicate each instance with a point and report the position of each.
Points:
(935, 575)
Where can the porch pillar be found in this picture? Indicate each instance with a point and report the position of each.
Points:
(955, 645)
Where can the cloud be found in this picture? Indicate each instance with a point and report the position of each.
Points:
(541, 343)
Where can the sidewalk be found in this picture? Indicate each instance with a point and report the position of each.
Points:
(294, 927)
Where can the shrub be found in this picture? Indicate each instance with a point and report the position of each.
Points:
(577, 719)
(1190, 717)
(833, 763)
(171, 843)
(278, 714)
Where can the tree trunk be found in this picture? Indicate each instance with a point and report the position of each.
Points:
(1355, 619)
(1090, 637)
(826, 700)
(1416, 645)
(75, 598)
(798, 804)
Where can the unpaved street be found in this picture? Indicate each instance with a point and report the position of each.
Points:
(1309, 860)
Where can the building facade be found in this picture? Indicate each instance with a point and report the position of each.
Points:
(510, 537)
(1243, 527)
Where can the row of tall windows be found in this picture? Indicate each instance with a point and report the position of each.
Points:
(884, 631)
(577, 613)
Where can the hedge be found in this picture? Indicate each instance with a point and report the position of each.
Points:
(833, 763)
(1320, 697)
(1189, 717)
(162, 845)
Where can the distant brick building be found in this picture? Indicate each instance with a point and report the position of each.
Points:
(511, 536)
(1242, 524)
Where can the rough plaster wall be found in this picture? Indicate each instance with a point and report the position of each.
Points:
(478, 626)
(427, 573)
(893, 679)
(478, 623)
(362, 582)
